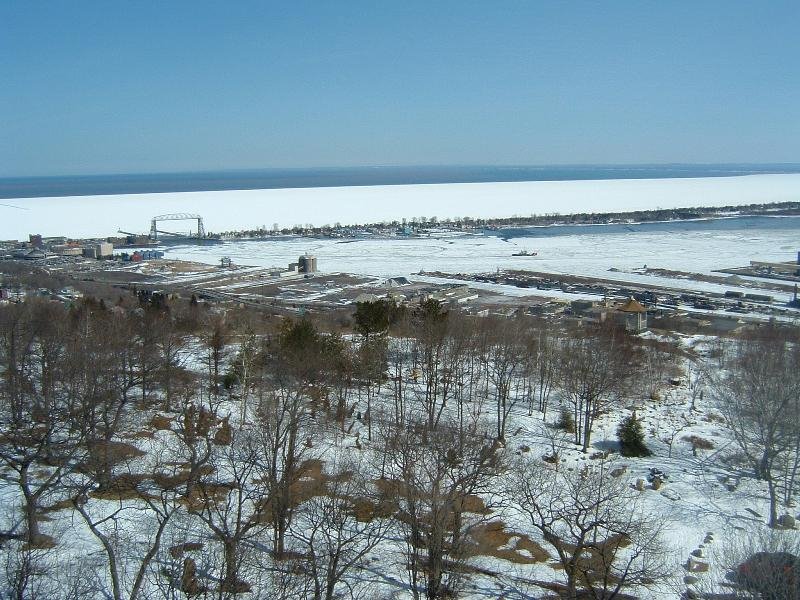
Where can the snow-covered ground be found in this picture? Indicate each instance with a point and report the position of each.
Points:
(694, 503)
(84, 216)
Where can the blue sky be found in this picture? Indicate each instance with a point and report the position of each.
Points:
(105, 87)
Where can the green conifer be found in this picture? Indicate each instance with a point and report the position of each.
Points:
(631, 437)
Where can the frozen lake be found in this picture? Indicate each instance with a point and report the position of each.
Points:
(699, 247)
(88, 216)
(591, 250)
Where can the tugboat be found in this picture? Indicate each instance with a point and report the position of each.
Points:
(524, 253)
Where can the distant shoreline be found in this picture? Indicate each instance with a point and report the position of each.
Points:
(210, 181)
(510, 227)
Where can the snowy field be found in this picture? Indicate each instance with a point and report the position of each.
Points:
(86, 216)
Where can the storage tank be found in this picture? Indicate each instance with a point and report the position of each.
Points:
(307, 263)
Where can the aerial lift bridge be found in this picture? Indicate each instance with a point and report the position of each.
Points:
(154, 230)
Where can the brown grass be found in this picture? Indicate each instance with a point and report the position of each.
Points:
(698, 442)
(713, 418)
(473, 504)
(169, 481)
(180, 549)
(123, 487)
(594, 561)
(144, 434)
(490, 540)
(42, 542)
(161, 422)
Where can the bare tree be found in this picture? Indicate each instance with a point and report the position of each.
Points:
(433, 483)
(594, 365)
(109, 527)
(657, 361)
(215, 339)
(696, 373)
(760, 400)
(399, 359)
(541, 366)
(37, 444)
(595, 525)
(433, 356)
(505, 365)
(104, 372)
(170, 343)
(130, 530)
(338, 527)
(30, 573)
(343, 367)
(371, 367)
(234, 505)
(282, 428)
(244, 368)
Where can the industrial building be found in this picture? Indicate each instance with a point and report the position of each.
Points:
(67, 250)
(307, 263)
(99, 250)
(140, 255)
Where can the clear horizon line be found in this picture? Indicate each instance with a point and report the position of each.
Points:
(244, 170)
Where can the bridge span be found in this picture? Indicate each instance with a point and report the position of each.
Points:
(154, 231)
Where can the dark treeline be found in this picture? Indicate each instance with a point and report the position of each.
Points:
(537, 220)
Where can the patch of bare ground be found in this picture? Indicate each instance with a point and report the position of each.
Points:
(492, 539)
(42, 542)
(594, 561)
(311, 481)
(161, 422)
(180, 266)
(179, 550)
(65, 504)
(144, 434)
(126, 277)
(122, 487)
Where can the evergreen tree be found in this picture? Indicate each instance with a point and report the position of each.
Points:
(566, 421)
(631, 437)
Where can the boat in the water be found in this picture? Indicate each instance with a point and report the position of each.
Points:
(525, 253)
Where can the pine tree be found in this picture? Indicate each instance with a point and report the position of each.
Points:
(631, 437)
(566, 421)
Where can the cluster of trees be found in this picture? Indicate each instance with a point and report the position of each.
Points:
(79, 385)
(210, 454)
(758, 393)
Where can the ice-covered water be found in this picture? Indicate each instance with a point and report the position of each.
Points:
(588, 251)
(678, 247)
(85, 216)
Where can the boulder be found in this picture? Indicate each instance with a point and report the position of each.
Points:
(787, 521)
(696, 566)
